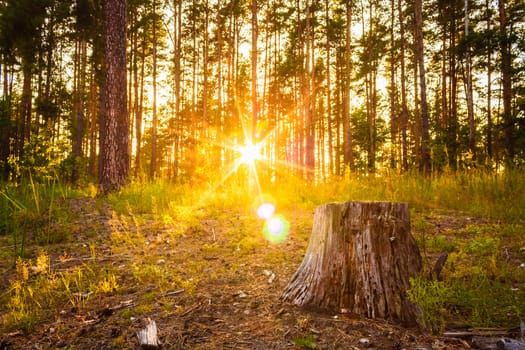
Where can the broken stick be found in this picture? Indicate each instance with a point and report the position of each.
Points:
(148, 338)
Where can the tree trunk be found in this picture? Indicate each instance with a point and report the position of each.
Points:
(468, 88)
(348, 152)
(328, 95)
(78, 121)
(177, 30)
(255, 107)
(359, 260)
(114, 150)
(154, 131)
(420, 59)
(24, 122)
(453, 125)
(309, 95)
(392, 92)
(506, 81)
(489, 84)
(404, 107)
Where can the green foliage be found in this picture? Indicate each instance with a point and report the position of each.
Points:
(482, 278)
(431, 297)
(441, 243)
(483, 301)
(41, 159)
(307, 342)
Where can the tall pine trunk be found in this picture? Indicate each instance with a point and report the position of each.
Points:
(24, 121)
(506, 81)
(177, 30)
(309, 89)
(78, 112)
(255, 107)
(114, 128)
(468, 88)
(392, 93)
(348, 154)
(452, 127)
(420, 59)
(489, 83)
(404, 105)
(153, 164)
(328, 95)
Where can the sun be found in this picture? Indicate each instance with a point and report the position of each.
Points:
(250, 153)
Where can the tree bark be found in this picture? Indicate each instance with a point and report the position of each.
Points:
(255, 107)
(404, 105)
(24, 122)
(78, 121)
(154, 126)
(420, 58)
(468, 88)
(309, 95)
(489, 83)
(328, 95)
(359, 260)
(348, 151)
(114, 130)
(506, 81)
(392, 91)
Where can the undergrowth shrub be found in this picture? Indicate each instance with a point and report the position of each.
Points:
(484, 301)
(432, 298)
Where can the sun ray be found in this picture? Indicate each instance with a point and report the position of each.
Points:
(249, 154)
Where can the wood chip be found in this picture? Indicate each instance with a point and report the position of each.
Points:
(148, 336)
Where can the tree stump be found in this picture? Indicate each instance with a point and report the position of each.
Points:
(359, 260)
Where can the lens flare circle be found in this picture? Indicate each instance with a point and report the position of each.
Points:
(276, 229)
(275, 226)
(266, 211)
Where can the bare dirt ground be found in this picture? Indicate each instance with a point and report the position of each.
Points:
(210, 286)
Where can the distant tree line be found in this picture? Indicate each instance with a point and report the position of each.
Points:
(329, 88)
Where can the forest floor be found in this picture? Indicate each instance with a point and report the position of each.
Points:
(207, 278)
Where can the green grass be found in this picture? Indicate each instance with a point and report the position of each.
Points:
(37, 208)
(483, 283)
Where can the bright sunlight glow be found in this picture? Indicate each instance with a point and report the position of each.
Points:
(250, 153)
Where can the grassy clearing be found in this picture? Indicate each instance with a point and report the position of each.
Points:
(475, 217)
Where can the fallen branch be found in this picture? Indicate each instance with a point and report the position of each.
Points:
(179, 291)
(485, 343)
(477, 333)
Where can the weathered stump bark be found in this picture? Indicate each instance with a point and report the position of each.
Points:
(360, 258)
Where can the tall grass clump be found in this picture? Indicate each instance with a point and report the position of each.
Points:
(475, 192)
(31, 206)
(489, 195)
(144, 197)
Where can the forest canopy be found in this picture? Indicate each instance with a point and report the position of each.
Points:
(317, 88)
